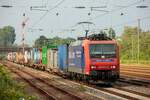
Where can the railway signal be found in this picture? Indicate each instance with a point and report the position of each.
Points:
(23, 31)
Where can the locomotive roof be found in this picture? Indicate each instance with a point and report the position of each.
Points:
(98, 37)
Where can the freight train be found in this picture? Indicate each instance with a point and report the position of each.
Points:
(93, 58)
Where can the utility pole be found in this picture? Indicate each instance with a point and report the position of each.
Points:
(23, 31)
(138, 31)
(132, 47)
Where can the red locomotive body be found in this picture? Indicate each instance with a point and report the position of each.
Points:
(101, 59)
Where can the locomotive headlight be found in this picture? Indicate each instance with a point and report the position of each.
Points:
(93, 67)
(113, 67)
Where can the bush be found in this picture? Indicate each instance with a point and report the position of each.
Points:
(10, 89)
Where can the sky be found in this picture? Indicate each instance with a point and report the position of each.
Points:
(59, 17)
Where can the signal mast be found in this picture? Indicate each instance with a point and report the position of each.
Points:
(23, 31)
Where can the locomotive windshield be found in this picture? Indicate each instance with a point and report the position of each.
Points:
(102, 51)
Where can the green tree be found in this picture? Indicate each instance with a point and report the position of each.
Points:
(145, 45)
(7, 36)
(129, 44)
(10, 89)
(41, 41)
(69, 40)
(112, 33)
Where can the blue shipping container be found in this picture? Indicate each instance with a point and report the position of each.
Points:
(36, 53)
(62, 57)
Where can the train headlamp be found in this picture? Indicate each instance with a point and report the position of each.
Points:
(113, 67)
(93, 67)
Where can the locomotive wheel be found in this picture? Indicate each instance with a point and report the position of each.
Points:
(70, 75)
(43, 68)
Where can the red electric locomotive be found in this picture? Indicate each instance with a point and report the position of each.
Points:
(93, 58)
(101, 58)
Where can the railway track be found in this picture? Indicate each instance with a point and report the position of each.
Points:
(135, 75)
(135, 81)
(43, 92)
(144, 71)
(140, 75)
(115, 92)
(50, 91)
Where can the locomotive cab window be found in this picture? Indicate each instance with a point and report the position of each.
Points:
(103, 51)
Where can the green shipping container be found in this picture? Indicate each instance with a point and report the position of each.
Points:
(44, 55)
(52, 46)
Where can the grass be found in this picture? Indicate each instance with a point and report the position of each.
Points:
(10, 89)
(81, 88)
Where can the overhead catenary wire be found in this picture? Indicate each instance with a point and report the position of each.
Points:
(131, 21)
(42, 17)
(115, 10)
(47, 12)
(89, 19)
(101, 15)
